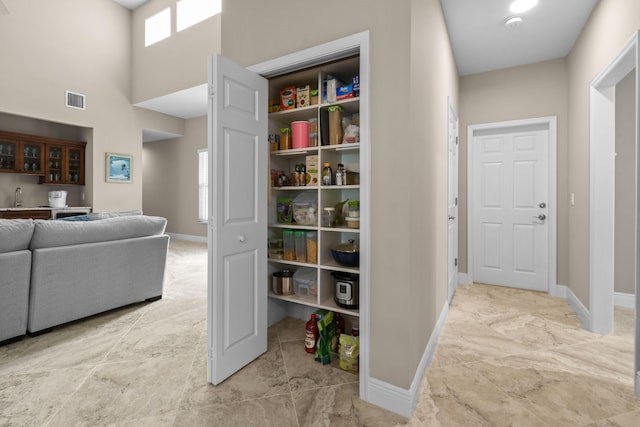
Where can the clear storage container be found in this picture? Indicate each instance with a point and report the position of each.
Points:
(289, 245)
(312, 247)
(305, 209)
(301, 245)
(305, 283)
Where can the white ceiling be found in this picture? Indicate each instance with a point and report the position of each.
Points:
(481, 41)
(479, 38)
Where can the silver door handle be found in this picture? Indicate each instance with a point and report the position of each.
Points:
(452, 217)
(541, 217)
(242, 238)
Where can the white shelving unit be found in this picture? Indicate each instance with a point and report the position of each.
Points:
(285, 160)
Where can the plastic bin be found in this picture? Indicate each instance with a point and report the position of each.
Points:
(312, 247)
(305, 209)
(289, 246)
(301, 245)
(305, 283)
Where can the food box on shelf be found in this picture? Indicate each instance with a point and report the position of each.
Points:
(305, 283)
(305, 209)
(312, 170)
(303, 96)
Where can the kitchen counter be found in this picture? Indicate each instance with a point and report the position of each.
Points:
(40, 208)
(43, 212)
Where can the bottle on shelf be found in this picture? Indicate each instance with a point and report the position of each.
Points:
(327, 174)
(340, 175)
(311, 335)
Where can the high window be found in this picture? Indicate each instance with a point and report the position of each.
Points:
(157, 27)
(190, 12)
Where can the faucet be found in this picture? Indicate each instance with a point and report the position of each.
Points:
(18, 201)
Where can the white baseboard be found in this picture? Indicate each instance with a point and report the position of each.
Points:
(624, 300)
(559, 291)
(400, 400)
(188, 237)
(581, 311)
(464, 279)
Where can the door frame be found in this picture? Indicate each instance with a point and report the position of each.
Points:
(452, 115)
(316, 55)
(551, 122)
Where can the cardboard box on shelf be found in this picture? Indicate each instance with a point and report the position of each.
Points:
(312, 170)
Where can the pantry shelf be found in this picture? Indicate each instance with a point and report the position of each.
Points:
(332, 265)
(294, 226)
(328, 304)
(296, 263)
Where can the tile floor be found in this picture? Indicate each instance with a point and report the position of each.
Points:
(505, 357)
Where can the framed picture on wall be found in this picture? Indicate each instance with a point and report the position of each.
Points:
(118, 168)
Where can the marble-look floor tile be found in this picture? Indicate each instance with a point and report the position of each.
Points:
(276, 411)
(557, 389)
(457, 396)
(263, 377)
(162, 331)
(289, 329)
(340, 406)
(304, 372)
(74, 344)
(630, 419)
(32, 398)
(127, 391)
(624, 321)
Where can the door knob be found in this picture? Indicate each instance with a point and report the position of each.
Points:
(543, 205)
(242, 238)
(541, 217)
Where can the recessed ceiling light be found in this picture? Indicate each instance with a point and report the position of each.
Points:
(513, 22)
(520, 6)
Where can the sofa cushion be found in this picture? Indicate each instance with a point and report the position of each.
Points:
(48, 234)
(93, 216)
(15, 234)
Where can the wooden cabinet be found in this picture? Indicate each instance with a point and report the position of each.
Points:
(20, 156)
(64, 163)
(320, 237)
(26, 214)
(56, 161)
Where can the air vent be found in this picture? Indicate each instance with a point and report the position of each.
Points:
(75, 100)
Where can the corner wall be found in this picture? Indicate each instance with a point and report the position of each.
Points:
(612, 24)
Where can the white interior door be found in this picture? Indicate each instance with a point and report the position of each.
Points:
(452, 224)
(237, 303)
(510, 208)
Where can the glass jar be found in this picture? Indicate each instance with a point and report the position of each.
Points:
(328, 216)
(285, 138)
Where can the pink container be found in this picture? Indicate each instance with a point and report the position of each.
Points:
(300, 134)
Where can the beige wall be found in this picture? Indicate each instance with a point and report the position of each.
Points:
(625, 238)
(535, 90)
(171, 179)
(83, 46)
(175, 63)
(611, 25)
(408, 273)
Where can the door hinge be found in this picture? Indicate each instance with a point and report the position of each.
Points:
(456, 202)
(212, 91)
(456, 140)
(455, 262)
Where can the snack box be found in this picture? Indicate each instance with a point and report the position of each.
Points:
(303, 96)
(288, 98)
(344, 92)
(312, 170)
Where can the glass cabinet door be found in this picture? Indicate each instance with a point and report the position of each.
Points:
(8, 156)
(55, 166)
(32, 158)
(75, 162)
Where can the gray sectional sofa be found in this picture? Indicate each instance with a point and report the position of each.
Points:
(54, 272)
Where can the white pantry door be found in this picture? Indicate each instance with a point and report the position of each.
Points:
(237, 302)
(510, 223)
